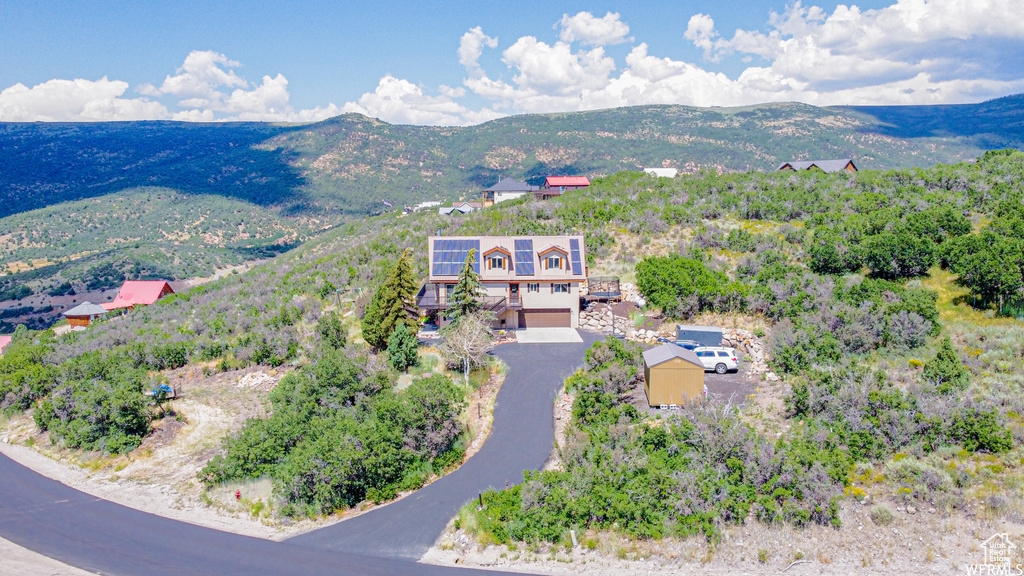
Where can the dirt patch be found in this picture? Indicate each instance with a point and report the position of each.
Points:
(912, 544)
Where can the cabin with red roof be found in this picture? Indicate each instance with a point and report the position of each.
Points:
(557, 185)
(138, 293)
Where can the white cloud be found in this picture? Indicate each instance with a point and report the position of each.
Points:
(201, 75)
(76, 101)
(588, 29)
(471, 47)
(403, 102)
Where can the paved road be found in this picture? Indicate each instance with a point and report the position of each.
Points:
(97, 535)
(521, 439)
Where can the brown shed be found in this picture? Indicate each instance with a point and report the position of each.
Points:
(673, 375)
(84, 314)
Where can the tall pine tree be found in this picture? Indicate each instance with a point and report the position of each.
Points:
(467, 296)
(392, 304)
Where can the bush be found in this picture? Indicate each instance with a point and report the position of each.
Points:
(881, 515)
(946, 372)
(667, 280)
(402, 348)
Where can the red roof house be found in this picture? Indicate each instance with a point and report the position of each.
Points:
(556, 185)
(139, 293)
(4, 341)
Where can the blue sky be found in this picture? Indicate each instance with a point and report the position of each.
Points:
(467, 62)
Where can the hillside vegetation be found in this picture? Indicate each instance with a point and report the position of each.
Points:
(901, 378)
(95, 204)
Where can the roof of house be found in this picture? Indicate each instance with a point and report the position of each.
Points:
(463, 208)
(826, 166)
(86, 309)
(667, 352)
(662, 172)
(135, 292)
(4, 341)
(510, 185)
(447, 255)
(556, 181)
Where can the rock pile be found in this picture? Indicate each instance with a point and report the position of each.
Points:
(745, 341)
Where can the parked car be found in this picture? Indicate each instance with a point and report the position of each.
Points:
(688, 344)
(718, 358)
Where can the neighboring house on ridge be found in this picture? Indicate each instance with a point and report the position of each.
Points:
(530, 281)
(138, 293)
(662, 172)
(457, 208)
(558, 185)
(826, 166)
(506, 189)
(83, 314)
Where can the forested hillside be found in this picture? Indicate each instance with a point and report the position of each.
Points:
(94, 204)
(889, 300)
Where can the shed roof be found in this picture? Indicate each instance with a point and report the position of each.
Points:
(510, 185)
(667, 352)
(4, 341)
(692, 328)
(555, 181)
(826, 166)
(133, 292)
(86, 309)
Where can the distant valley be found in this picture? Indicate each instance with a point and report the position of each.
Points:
(83, 206)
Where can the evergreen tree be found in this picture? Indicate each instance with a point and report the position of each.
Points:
(402, 348)
(392, 304)
(946, 371)
(332, 331)
(467, 295)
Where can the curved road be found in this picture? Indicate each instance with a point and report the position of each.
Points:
(97, 535)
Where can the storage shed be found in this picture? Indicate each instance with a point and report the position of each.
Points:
(706, 335)
(84, 314)
(673, 375)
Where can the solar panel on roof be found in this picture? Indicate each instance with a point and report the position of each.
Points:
(450, 255)
(577, 262)
(524, 258)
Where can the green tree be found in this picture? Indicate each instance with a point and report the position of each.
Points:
(392, 304)
(989, 264)
(466, 296)
(895, 256)
(946, 371)
(332, 332)
(402, 348)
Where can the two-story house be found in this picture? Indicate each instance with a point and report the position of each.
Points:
(530, 281)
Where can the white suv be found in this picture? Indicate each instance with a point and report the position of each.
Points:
(717, 358)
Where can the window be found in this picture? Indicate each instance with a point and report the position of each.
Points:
(723, 354)
(533, 287)
(553, 262)
(700, 354)
(496, 263)
(448, 289)
(560, 288)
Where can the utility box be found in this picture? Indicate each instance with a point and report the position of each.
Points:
(706, 335)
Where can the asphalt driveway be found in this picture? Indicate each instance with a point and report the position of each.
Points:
(521, 439)
(55, 520)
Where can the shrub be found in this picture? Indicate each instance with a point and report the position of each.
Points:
(881, 515)
(402, 348)
(946, 372)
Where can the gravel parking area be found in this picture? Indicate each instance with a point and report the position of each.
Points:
(732, 387)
